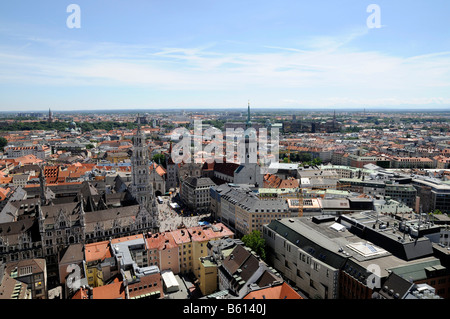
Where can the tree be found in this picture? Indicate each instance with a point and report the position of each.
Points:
(256, 243)
(160, 159)
(3, 143)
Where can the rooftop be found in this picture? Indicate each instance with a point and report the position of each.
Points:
(97, 251)
(355, 240)
(280, 291)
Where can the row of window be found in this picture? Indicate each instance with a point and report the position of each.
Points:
(136, 288)
(270, 211)
(21, 256)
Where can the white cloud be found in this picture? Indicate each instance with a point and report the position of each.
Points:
(324, 71)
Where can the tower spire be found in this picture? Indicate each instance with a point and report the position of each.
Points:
(249, 123)
(50, 115)
(139, 122)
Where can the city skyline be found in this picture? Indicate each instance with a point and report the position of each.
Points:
(203, 54)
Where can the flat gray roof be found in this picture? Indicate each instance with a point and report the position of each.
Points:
(320, 239)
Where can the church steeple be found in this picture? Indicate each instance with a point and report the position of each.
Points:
(139, 123)
(140, 169)
(249, 148)
(50, 115)
(249, 122)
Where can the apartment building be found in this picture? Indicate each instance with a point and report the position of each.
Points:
(405, 194)
(344, 171)
(11, 288)
(218, 250)
(163, 251)
(192, 245)
(412, 162)
(200, 237)
(33, 273)
(99, 259)
(243, 210)
(183, 240)
(223, 202)
(40, 151)
(20, 180)
(252, 213)
(432, 194)
(195, 193)
(359, 161)
(349, 256)
(241, 272)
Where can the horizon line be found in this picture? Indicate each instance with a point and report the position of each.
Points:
(444, 109)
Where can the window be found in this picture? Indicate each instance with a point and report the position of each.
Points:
(25, 270)
(316, 266)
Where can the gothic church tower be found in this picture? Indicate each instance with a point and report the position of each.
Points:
(141, 188)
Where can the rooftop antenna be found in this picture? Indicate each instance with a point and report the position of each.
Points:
(376, 222)
(420, 216)
(403, 220)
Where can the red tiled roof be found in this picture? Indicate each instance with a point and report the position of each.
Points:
(4, 192)
(283, 291)
(158, 168)
(97, 251)
(161, 241)
(116, 290)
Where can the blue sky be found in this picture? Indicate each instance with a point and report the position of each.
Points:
(220, 54)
